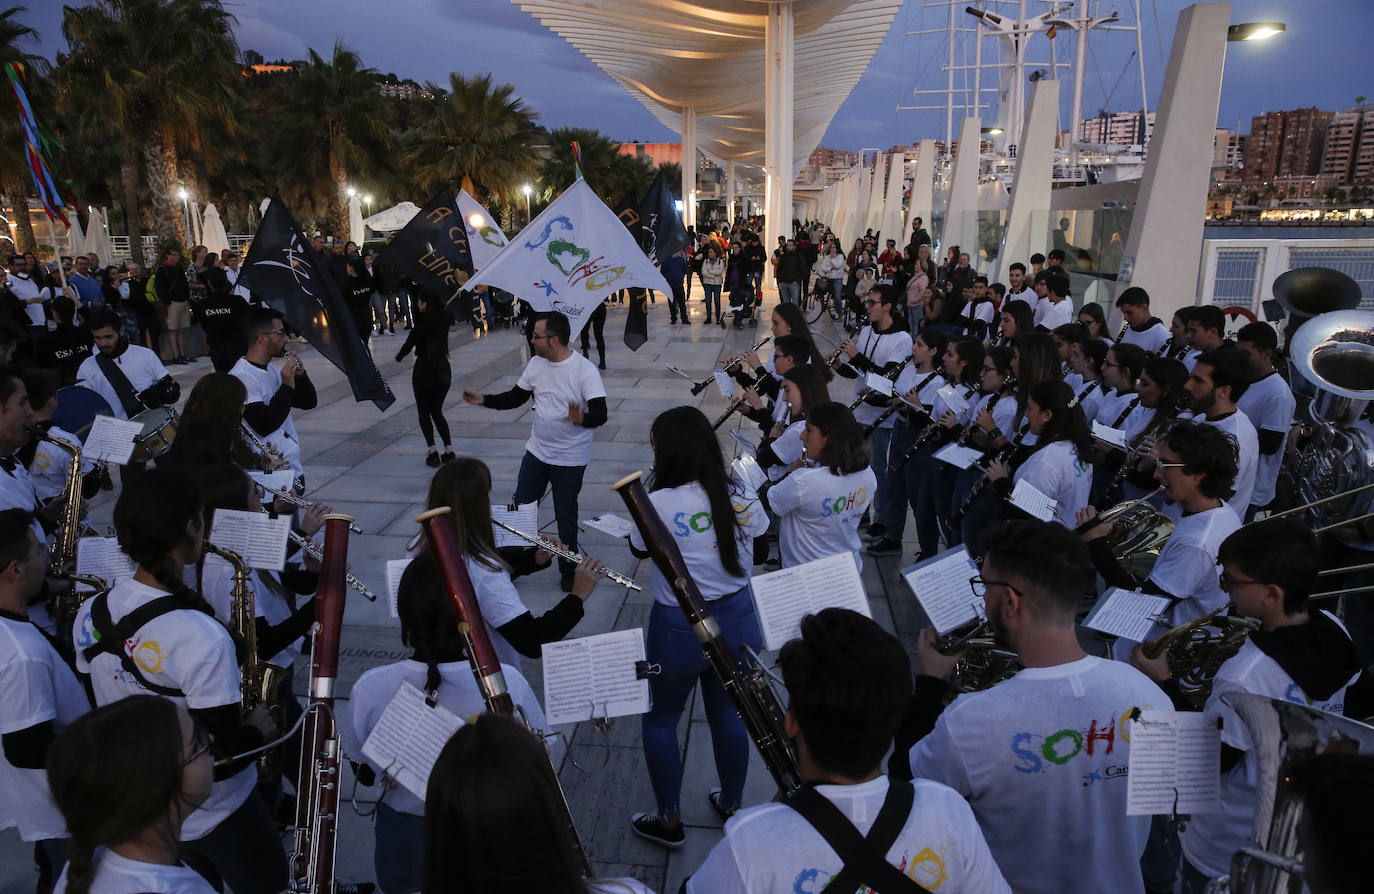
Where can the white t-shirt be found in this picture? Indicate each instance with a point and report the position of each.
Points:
(1027, 295)
(17, 491)
(262, 384)
(1136, 421)
(1190, 358)
(1113, 405)
(185, 650)
(882, 349)
(1238, 426)
(1003, 412)
(1056, 471)
(772, 848)
(499, 602)
(818, 513)
(1090, 396)
(1042, 758)
(1187, 565)
(1052, 314)
(458, 693)
(618, 886)
(26, 289)
(139, 365)
(574, 380)
(36, 685)
(686, 512)
(1209, 839)
(51, 464)
(788, 448)
(1269, 405)
(120, 875)
(269, 600)
(1152, 339)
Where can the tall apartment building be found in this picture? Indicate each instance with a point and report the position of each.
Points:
(1122, 128)
(824, 157)
(1286, 144)
(1349, 154)
(1228, 149)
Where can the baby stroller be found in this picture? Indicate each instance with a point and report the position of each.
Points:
(743, 300)
(504, 309)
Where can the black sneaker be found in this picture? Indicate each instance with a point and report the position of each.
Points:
(713, 797)
(447, 456)
(885, 546)
(652, 828)
(432, 460)
(875, 532)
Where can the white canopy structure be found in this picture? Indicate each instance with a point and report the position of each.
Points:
(212, 234)
(98, 236)
(721, 73)
(393, 218)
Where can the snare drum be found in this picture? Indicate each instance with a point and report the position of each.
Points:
(159, 428)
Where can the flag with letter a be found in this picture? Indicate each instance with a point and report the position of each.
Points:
(283, 270)
(570, 257)
(433, 250)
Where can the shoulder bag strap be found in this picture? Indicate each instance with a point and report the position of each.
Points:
(123, 388)
(864, 858)
(110, 637)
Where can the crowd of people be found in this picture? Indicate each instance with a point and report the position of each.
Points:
(129, 754)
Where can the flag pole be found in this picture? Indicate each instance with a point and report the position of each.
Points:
(52, 234)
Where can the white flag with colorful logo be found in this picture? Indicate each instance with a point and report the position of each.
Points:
(570, 257)
(485, 238)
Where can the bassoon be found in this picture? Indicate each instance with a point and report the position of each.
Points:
(743, 679)
(486, 665)
(317, 801)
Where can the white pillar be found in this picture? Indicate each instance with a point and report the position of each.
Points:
(858, 205)
(1080, 60)
(892, 203)
(689, 166)
(1030, 191)
(874, 218)
(778, 73)
(961, 220)
(1164, 248)
(922, 190)
(729, 191)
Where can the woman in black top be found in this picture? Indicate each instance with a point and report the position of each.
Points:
(358, 297)
(431, 377)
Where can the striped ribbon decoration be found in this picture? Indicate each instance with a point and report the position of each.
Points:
(38, 164)
(577, 160)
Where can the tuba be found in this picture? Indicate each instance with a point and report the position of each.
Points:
(1138, 533)
(258, 679)
(1196, 650)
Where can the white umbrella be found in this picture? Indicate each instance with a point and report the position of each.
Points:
(355, 219)
(76, 241)
(212, 234)
(98, 237)
(196, 234)
(393, 218)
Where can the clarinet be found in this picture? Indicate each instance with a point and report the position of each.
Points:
(486, 666)
(743, 680)
(928, 431)
(1003, 454)
(317, 803)
(731, 364)
(891, 375)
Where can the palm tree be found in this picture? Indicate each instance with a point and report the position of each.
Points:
(163, 68)
(338, 117)
(474, 130)
(610, 173)
(14, 164)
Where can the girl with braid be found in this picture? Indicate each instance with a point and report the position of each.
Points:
(439, 667)
(126, 777)
(153, 633)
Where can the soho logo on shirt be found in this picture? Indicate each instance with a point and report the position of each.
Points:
(844, 504)
(927, 868)
(685, 525)
(1036, 753)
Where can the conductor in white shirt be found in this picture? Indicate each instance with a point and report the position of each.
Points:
(569, 401)
(1041, 757)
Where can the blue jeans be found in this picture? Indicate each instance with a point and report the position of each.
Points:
(887, 500)
(920, 489)
(837, 291)
(893, 517)
(789, 292)
(673, 646)
(712, 300)
(399, 856)
(535, 477)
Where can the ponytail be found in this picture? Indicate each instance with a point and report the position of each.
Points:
(80, 866)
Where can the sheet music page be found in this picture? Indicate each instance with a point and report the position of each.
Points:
(783, 598)
(747, 469)
(942, 588)
(282, 479)
(101, 557)
(610, 523)
(1028, 498)
(1126, 613)
(524, 518)
(880, 384)
(1114, 436)
(1175, 764)
(954, 399)
(744, 442)
(394, 569)
(958, 455)
(256, 536)
(594, 676)
(408, 737)
(111, 439)
(727, 387)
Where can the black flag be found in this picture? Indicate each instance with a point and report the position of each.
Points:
(637, 320)
(285, 272)
(433, 251)
(661, 231)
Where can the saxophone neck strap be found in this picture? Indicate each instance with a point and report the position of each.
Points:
(864, 857)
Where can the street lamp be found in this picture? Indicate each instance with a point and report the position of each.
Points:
(185, 212)
(527, 190)
(1255, 30)
(351, 192)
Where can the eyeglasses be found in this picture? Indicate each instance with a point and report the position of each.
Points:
(869, 302)
(1107, 363)
(275, 332)
(201, 742)
(1226, 582)
(1164, 465)
(979, 586)
(535, 337)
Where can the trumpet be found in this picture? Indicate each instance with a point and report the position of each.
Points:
(313, 552)
(284, 494)
(729, 365)
(576, 558)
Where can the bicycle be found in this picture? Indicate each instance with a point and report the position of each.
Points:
(820, 300)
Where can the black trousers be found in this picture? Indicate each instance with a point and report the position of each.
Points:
(596, 325)
(431, 382)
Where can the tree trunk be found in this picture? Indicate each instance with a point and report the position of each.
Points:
(18, 198)
(338, 205)
(128, 188)
(160, 155)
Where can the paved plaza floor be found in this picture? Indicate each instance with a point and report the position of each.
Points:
(370, 464)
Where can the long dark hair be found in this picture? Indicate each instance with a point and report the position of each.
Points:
(810, 381)
(1067, 423)
(970, 350)
(113, 773)
(464, 484)
(846, 448)
(427, 622)
(1022, 314)
(792, 315)
(1037, 361)
(1169, 375)
(492, 802)
(150, 519)
(685, 452)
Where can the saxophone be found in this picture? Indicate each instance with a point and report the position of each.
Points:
(63, 551)
(1196, 650)
(259, 679)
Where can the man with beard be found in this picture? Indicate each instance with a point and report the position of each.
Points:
(1041, 757)
(273, 392)
(130, 378)
(1219, 379)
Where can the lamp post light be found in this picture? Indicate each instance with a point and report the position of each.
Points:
(1255, 30)
(185, 213)
(528, 191)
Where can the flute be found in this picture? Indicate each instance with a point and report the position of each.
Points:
(284, 494)
(311, 551)
(576, 558)
(731, 364)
